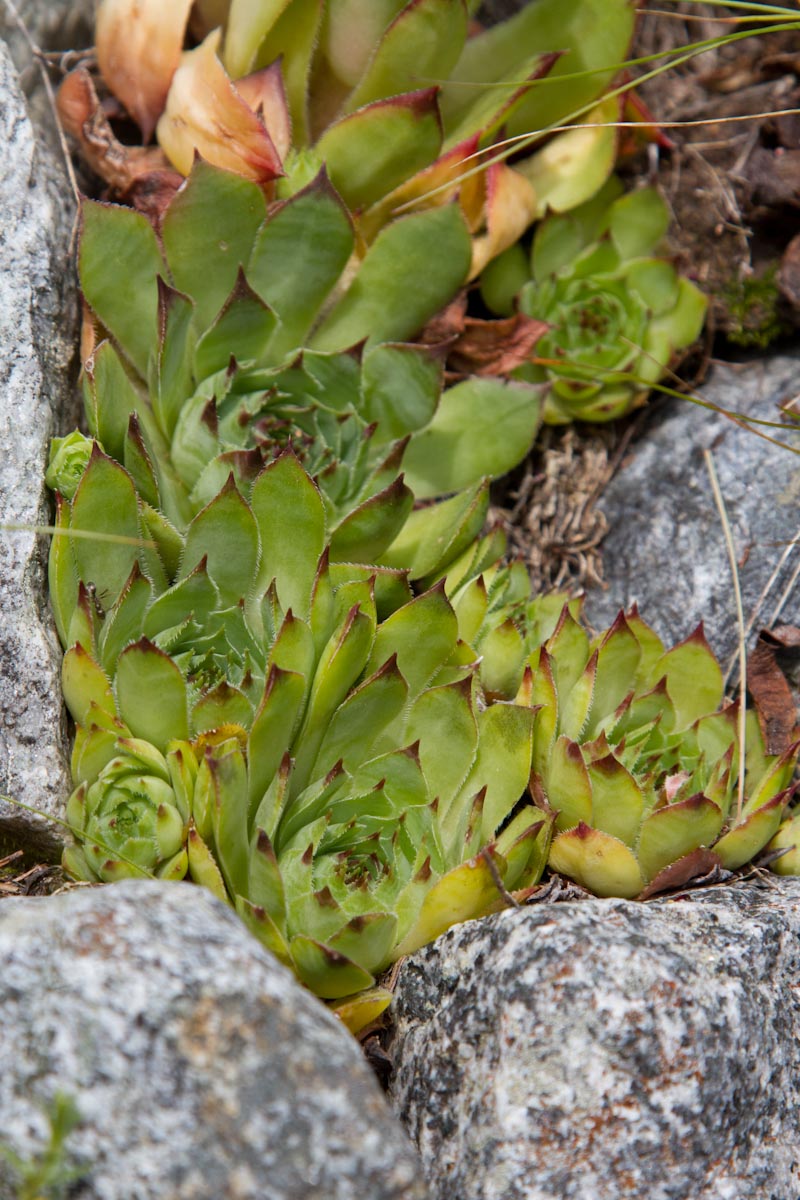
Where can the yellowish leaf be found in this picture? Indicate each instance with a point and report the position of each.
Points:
(205, 113)
(139, 45)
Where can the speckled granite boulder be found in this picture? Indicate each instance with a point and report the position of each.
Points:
(201, 1069)
(666, 549)
(607, 1049)
(38, 336)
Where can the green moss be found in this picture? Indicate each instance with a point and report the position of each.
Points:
(754, 317)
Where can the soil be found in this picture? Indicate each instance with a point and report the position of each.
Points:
(18, 878)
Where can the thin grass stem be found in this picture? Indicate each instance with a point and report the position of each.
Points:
(719, 499)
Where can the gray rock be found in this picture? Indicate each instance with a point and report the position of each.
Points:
(665, 548)
(52, 25)
(600, 1049)
(201, 1069)
(38, 338)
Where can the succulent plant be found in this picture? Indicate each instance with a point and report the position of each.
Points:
(497, 615)
(333, 773)
(787, 841)
(208, 379)
(618, 316)
(641, 766)
(133, 820)
(392, 95)
(385, 842)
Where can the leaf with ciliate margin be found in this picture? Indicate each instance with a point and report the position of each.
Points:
(248, 25)
(482, 428)
(241, 331)
(368, 530)
(85, 686)
(423, 636)
(109, 398)
(361, 718)
(326, 972)
(443, 721)
(423, 42)
(226, 534)
(412, 269)
(432, 538)
(593, 34)
(597, 861)
(273, 729)
(297, 257)
(675, 830)
(467, 891)
(208, 233)
(151, 694)
(124, 621)
(290, 515)
(119, 262)
(105, 502)
(400, 389)
(375, 149)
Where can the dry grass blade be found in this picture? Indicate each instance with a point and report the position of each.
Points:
(737, 591)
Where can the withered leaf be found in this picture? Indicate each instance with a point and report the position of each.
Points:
(448, 324)
(122, 167)
(692, 866)
(477, 347)
(783, 637)
(773, 698)
(495, 347)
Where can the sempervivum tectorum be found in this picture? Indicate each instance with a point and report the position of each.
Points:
(641, 764)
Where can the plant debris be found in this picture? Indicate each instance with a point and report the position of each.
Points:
(551, 517)
(20, 879)
(733, 183)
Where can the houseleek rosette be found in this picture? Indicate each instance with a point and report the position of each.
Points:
(133, 820)
(273, 91)
(618, 316)
(641, 766)
(203, 374)
(346, 782)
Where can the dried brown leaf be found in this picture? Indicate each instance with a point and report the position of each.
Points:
(773, 698)
(495, 347)
(692, 866)
(84, 118)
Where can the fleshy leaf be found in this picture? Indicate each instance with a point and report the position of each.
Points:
(676, 829)
(105, 503)
(139, 45)
(373, 150)
(481, 427)
(596, 861)
(423, 41)
(328, 973)
(151, 694)
(290, 516)
(412, 269)
(226, 534)
(123, 297)
(467, 891)
(208, 232)
(297, 257)
(206, 114)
